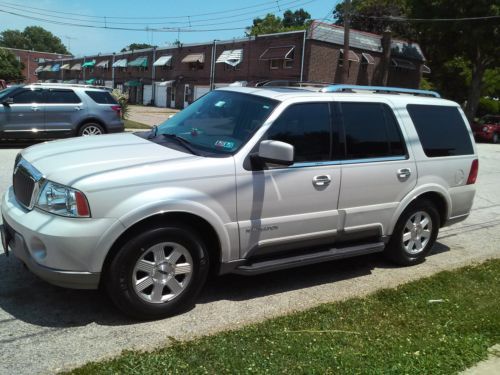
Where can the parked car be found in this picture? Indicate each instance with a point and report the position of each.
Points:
(487, 129)
(46, 111)
(246, 181)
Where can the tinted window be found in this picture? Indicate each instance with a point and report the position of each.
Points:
(371, 131)
(101, 97)
(307, 127)
(28, 96)
(61, 97)
(441, 130)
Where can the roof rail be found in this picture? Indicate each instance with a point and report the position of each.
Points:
(68, 84)
(380, 89)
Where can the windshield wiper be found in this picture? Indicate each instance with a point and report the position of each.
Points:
(184, 143)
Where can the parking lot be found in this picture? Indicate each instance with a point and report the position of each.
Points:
(45, 328)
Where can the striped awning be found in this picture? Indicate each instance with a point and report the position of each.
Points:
(403, 64)
(39, 69)
(88, 64)
(163, 60)
(102, 64)
(278, 53)
(368, 59)
(140, 62)
(194, 57)
(122, 63)
(426, 69)
(352, 55)
(65, 67)
(56, 67)
(231, 57)
(77, 66)
(47, 68)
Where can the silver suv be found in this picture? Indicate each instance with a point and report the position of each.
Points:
(244, 180)
(49, 111)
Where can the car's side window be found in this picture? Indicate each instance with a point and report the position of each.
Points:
(307, 127)
(28, 96)
(61, 96)
(371, 131)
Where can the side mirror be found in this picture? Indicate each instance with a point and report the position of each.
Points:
(8, 102)
(276, 152)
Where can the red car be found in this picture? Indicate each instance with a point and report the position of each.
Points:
(487, 129)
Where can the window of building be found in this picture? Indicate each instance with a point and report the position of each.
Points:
(371, 131)
(287, 64)
(196, 65)
(61, 97)
(28, 96)
(441, 129)
(274, 64)
(231, 68)
(172, 94)
(308, 128)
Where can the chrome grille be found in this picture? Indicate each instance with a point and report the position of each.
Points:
(23, 187)
(25, 182)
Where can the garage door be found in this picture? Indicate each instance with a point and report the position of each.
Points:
(200, 91)
(147, 94)
(161, 95)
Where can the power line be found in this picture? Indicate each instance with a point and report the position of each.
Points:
(403, 19)
(227, 12)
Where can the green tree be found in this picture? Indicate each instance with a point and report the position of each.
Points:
(298, 20)
(475, 43)
(10, 68)
(32, 38)
(136, 46)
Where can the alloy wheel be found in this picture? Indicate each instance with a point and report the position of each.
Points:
(417, 232)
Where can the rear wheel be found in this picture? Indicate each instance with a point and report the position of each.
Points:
(414, 234)
(158, 273)
(91, 129)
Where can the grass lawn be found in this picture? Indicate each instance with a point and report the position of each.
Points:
(438, 325)
(129, 124)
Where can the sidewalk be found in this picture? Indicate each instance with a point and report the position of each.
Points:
(149, 115)
(490, 366)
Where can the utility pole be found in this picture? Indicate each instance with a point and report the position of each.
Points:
(347, 25)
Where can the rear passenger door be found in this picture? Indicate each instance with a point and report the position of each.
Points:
(63, 111)
(377, 169)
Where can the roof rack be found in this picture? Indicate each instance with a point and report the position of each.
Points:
(68, 84)
(292, 83)
(379, 89)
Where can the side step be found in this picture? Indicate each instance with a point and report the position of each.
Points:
(269, 265)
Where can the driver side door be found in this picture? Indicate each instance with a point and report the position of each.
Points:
(24, 118)
(282, 208)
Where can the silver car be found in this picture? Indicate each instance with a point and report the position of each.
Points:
(244, 180)
(46, 111)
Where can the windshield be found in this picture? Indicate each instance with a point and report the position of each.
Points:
(220, 121)
(4, 94)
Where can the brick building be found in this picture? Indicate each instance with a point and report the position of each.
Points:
(32, 60)
(175, 76)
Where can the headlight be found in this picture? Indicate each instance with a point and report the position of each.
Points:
(62, 200)
(486, 129)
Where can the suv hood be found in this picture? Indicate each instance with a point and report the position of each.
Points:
(72, 160)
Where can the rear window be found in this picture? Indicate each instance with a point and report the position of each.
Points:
(101, 97)
(442, 130)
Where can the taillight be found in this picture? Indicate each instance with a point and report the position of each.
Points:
(474, 169)
(117, 109)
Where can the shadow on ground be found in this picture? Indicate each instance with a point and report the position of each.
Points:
(33, 301)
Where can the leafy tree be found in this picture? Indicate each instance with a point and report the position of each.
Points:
(10, 68)
(475, 43)
(32, 38)
(368, 15)
(136, 46)
(298, 20)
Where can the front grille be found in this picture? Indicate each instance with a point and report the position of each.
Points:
(24, 184)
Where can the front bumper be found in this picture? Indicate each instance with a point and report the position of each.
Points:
(59, 250)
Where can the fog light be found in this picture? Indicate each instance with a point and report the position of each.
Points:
(38, 249)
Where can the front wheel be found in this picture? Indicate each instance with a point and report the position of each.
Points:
(158, 273)
(414, 234)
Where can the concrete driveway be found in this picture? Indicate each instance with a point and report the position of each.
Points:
(149, 115)
(45, 329)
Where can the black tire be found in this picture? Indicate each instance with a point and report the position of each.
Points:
(121, 276)
(396, 251)
(495, 138)
(91, 127)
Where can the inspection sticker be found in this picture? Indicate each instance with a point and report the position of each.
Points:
(224, 144)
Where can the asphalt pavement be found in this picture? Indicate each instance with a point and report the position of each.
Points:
(45, 329)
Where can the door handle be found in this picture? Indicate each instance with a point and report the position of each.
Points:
(404, 173)
(35, 109)
(322, 180)
(77, 108)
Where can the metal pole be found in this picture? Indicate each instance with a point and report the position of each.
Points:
(113, 71)
(153, 86)
(212, 63)
(302, 60)
(347, 22)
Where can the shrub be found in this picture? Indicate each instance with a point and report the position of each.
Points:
(122, 99)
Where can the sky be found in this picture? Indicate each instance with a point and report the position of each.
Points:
(202, 15)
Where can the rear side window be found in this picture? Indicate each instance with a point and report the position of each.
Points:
(371, 131)
(101, 97)
(58, 96)
(307, 127)
(442, 130)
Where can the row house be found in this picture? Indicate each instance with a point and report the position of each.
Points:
(177, 75)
